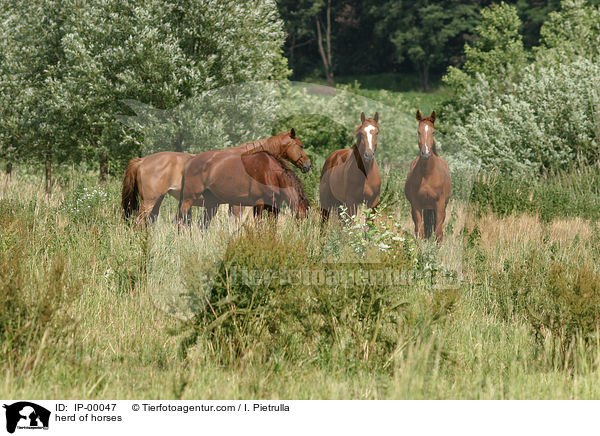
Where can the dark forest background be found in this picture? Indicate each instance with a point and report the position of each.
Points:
(334, 38)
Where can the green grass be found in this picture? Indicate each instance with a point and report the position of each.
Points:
(94, 306)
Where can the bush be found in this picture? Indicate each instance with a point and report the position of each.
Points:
(352, 325)
(35, 320)
(564, 194)
(527, 120)
(548, 123)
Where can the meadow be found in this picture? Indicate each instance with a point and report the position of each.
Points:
(94, 307)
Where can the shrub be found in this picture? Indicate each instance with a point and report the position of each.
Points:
(35, 320)
(540, 117)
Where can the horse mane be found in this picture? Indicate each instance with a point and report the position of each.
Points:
(292, 177)
(264, 144)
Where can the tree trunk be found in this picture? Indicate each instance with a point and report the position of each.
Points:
(326, 56)
(48, 173)
(8, 170)
(178, 142)
(103, 167)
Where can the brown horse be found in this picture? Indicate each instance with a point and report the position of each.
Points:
(154, 176)
(351, 176)
(428, 186)
(260, 179)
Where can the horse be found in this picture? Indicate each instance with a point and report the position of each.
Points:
(351, 176)
(259, 179)
(152, 177)
(428, 186)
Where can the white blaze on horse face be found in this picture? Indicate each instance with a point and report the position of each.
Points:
(426, 132)
(368, 131)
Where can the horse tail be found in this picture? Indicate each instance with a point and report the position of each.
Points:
(129, 194)
(429, 216)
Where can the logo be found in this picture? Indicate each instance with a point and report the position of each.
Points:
(26, 415)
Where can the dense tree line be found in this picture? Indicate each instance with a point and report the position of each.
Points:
(66, 66)
(332, 38)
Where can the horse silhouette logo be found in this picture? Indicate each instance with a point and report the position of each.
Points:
(26, 415)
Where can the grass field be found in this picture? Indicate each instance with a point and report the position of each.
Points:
(92, 307)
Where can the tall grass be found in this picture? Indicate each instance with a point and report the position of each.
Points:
(97, 308)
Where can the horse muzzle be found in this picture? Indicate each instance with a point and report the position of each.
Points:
(368, 157)
(426, 156)
(306, 167)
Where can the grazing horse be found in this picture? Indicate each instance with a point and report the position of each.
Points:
(261, 180)
(154, 176)
(428, 185)
(351, 176)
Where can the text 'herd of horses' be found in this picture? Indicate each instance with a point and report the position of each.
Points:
(255, 174)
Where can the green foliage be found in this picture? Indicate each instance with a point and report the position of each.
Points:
(549, 122)
(570, 33)
(62, 91)
(35, 321)
(575, 303)
(559, 195)
(427, 35)
(318, 133)
(84, 202)
(496, 59)
(528, 119)
(278, 318)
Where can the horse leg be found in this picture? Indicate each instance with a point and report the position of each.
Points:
(273, 211)
(257, 211)
(146, 208)
(418, 220)
(211, 207)
(184, 213)
(210, 210)
(235, 210)
(153, 215)
(439, 224)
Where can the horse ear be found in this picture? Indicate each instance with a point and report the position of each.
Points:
(376, 117)
(362, 117)
(419, 117)
(433, 116)
(292, 133)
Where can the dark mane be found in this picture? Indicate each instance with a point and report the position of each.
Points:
(264, 144)
(430, 119)
(292, 178)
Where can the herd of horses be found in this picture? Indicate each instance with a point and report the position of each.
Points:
(256, 174)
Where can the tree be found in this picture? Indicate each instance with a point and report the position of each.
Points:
(67, 66)
(32, 70)
(430, 35)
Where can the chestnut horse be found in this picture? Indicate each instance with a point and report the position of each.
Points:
(261, 180)
(351, 176)
(428, 185)
(154, 176)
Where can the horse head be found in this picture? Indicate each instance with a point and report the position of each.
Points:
(366, 136)
(425, 134)
(293, 150)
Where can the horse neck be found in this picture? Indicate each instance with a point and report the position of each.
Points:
(365, 168)
(428, 165)
(260, 145)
